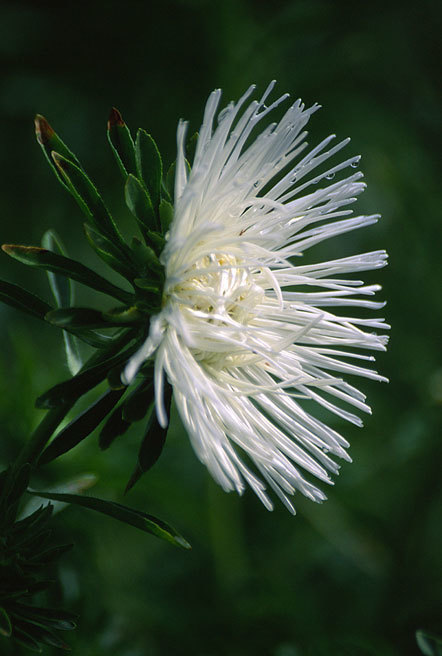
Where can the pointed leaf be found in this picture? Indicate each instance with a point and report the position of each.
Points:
(5, 624)
(23, 300)
(49, 141)
(23, 638)
(135, 407)
(108, 252)
(149, 165)
(115, 426)
(170, 180)
(72, 389)
(139, 202)
(81, 427)
(60, 285)
(88, 198)
(152, 444)
(19, 483)
(44, 259)
(429, 644)
(57, 618)
(77, 317)
(135, 518)
(147, 260)
(121, 142)
(63, 292)
(50, 555)
(44, 635)
(166, 215)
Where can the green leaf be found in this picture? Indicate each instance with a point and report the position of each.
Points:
(44, 635)
(149, 165)
(57, 618)
(24, 639)
(153, 442)
(77, 317)
(108, 252)
(5, 624)
(50, 141)
(147, 260)
(115, 426)
(136, 518)
(23, 300)
(170, 180)
(88, 198)
(80, 427)
(70, 390)
(135, 407)
(19, 483)
(88, 318)
(121, 142)
(60, 285)
(63, 293)
(49, 555)
(45, 259)
(166, 215)
(429, 644)
(139, 202)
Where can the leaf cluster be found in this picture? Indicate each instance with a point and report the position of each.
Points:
(27, 557)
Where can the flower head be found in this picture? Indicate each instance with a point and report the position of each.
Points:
(247, 335)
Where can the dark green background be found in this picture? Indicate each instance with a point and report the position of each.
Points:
(359, 574)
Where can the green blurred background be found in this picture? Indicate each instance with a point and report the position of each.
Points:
(359, 574)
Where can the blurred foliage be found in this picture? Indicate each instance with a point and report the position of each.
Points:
(360, 574)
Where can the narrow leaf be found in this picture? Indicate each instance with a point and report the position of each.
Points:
(147, 260)
(44, 635)
(136, 518)
(23, 300)
(57, 618)
(49, 141)
(135, 407)
(24, 639)
(19, 483)
(149, 165)
(77, 317)
(5, 624)
(49, 555)
(139, 202)
(60, 285)
(115, 426)
(87, 196)
(108, 252)
(63, 293)
(80, 427)
(166, 215)
(152, 444)
(72, 389)
(44, 259)
(121, 142)
(429, 644)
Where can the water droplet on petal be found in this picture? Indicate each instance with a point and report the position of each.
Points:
(330, 176)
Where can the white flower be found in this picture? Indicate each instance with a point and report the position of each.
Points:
(247, 336)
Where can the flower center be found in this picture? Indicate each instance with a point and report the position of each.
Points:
(216, 298)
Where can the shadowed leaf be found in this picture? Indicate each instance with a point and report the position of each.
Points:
(121, 142)
(45, 259)
(136, 518)
(81, 427)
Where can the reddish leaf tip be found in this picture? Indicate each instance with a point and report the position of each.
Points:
(44, 132)
(115, 119)
(13, 248)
